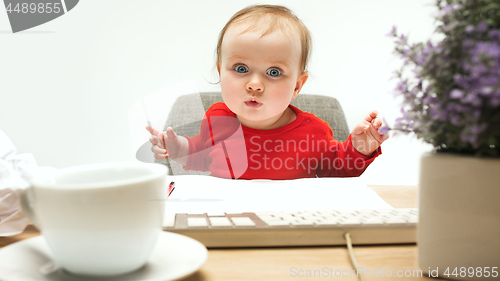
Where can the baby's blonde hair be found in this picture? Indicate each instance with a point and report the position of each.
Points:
(276, 17)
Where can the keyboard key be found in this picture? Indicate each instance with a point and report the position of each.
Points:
(366, 211)
(196, 214)
(327, 223)
(243, 221)
(302, 223)
(347, 211)
(309, 217)
(330, 216)
(373, 220)
(272, 219)
(399, 216)
(289, 219)
(220, 222)
(267, 217)
(351, 221)
(396, 221)
(385, 211)
(280, 223)
(405, 210)
(197, 222)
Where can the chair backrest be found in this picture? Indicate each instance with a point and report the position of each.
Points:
(324, 107)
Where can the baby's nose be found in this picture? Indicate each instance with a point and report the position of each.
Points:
(255, 86)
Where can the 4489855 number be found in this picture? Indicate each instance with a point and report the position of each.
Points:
(472, 272)
(34, 8)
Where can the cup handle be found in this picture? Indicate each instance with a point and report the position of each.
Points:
(27, 205)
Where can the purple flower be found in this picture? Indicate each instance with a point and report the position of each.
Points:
(468, 43)
(495, 102)
(490, 81)
(494, 34)
(476, 114)
(450, 27)
(384, 129)
(478, 70)
(437, 113)
(451, 95)
(490, 49)
(456, 94)
(459, 79)
(429, 100)
(455, 120)
(447, 10)
(392, 33)
(472, 99)
(477, 129)
(486, 90)
(482, 27)
(456, 107)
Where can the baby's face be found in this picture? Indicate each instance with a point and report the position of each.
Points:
(259, 75)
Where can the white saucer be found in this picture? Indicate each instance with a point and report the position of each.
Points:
(175, 256)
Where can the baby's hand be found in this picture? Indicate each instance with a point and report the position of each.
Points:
(166, 145)
(365, 137)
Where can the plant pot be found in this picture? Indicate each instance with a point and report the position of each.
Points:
(459, 217)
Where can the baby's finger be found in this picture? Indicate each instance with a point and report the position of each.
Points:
(157, 141)
(170, 133)
(377, 123)
(153, 140)
(162, 140)
(361, 128)
(152, 130)
(160, 156)
(375, 134)
(158, 150)
(372, 115)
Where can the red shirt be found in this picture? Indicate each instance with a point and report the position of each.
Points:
(304, 148)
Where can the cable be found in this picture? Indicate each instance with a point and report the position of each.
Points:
(354, 262)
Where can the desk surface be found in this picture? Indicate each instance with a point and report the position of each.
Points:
(279, 263)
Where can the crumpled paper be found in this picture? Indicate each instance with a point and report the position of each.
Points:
(16, 171)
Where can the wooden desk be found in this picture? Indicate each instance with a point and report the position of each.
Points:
(279, 263)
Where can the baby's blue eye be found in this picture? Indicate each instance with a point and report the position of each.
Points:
(241, 69)
(274, 72)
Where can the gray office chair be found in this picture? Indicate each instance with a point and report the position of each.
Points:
(326, 108)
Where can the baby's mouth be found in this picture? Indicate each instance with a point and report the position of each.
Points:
(253, 102)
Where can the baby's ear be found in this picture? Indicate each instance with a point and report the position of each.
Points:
(301, 80)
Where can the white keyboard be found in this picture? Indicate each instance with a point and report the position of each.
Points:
(296, 228)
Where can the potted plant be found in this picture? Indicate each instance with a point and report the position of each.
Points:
(450, 93)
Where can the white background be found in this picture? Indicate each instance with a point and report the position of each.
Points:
(66, 86)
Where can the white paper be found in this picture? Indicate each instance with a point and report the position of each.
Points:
(201, 194)
(15, 173)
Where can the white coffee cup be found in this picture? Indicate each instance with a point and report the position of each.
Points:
(102, 219)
